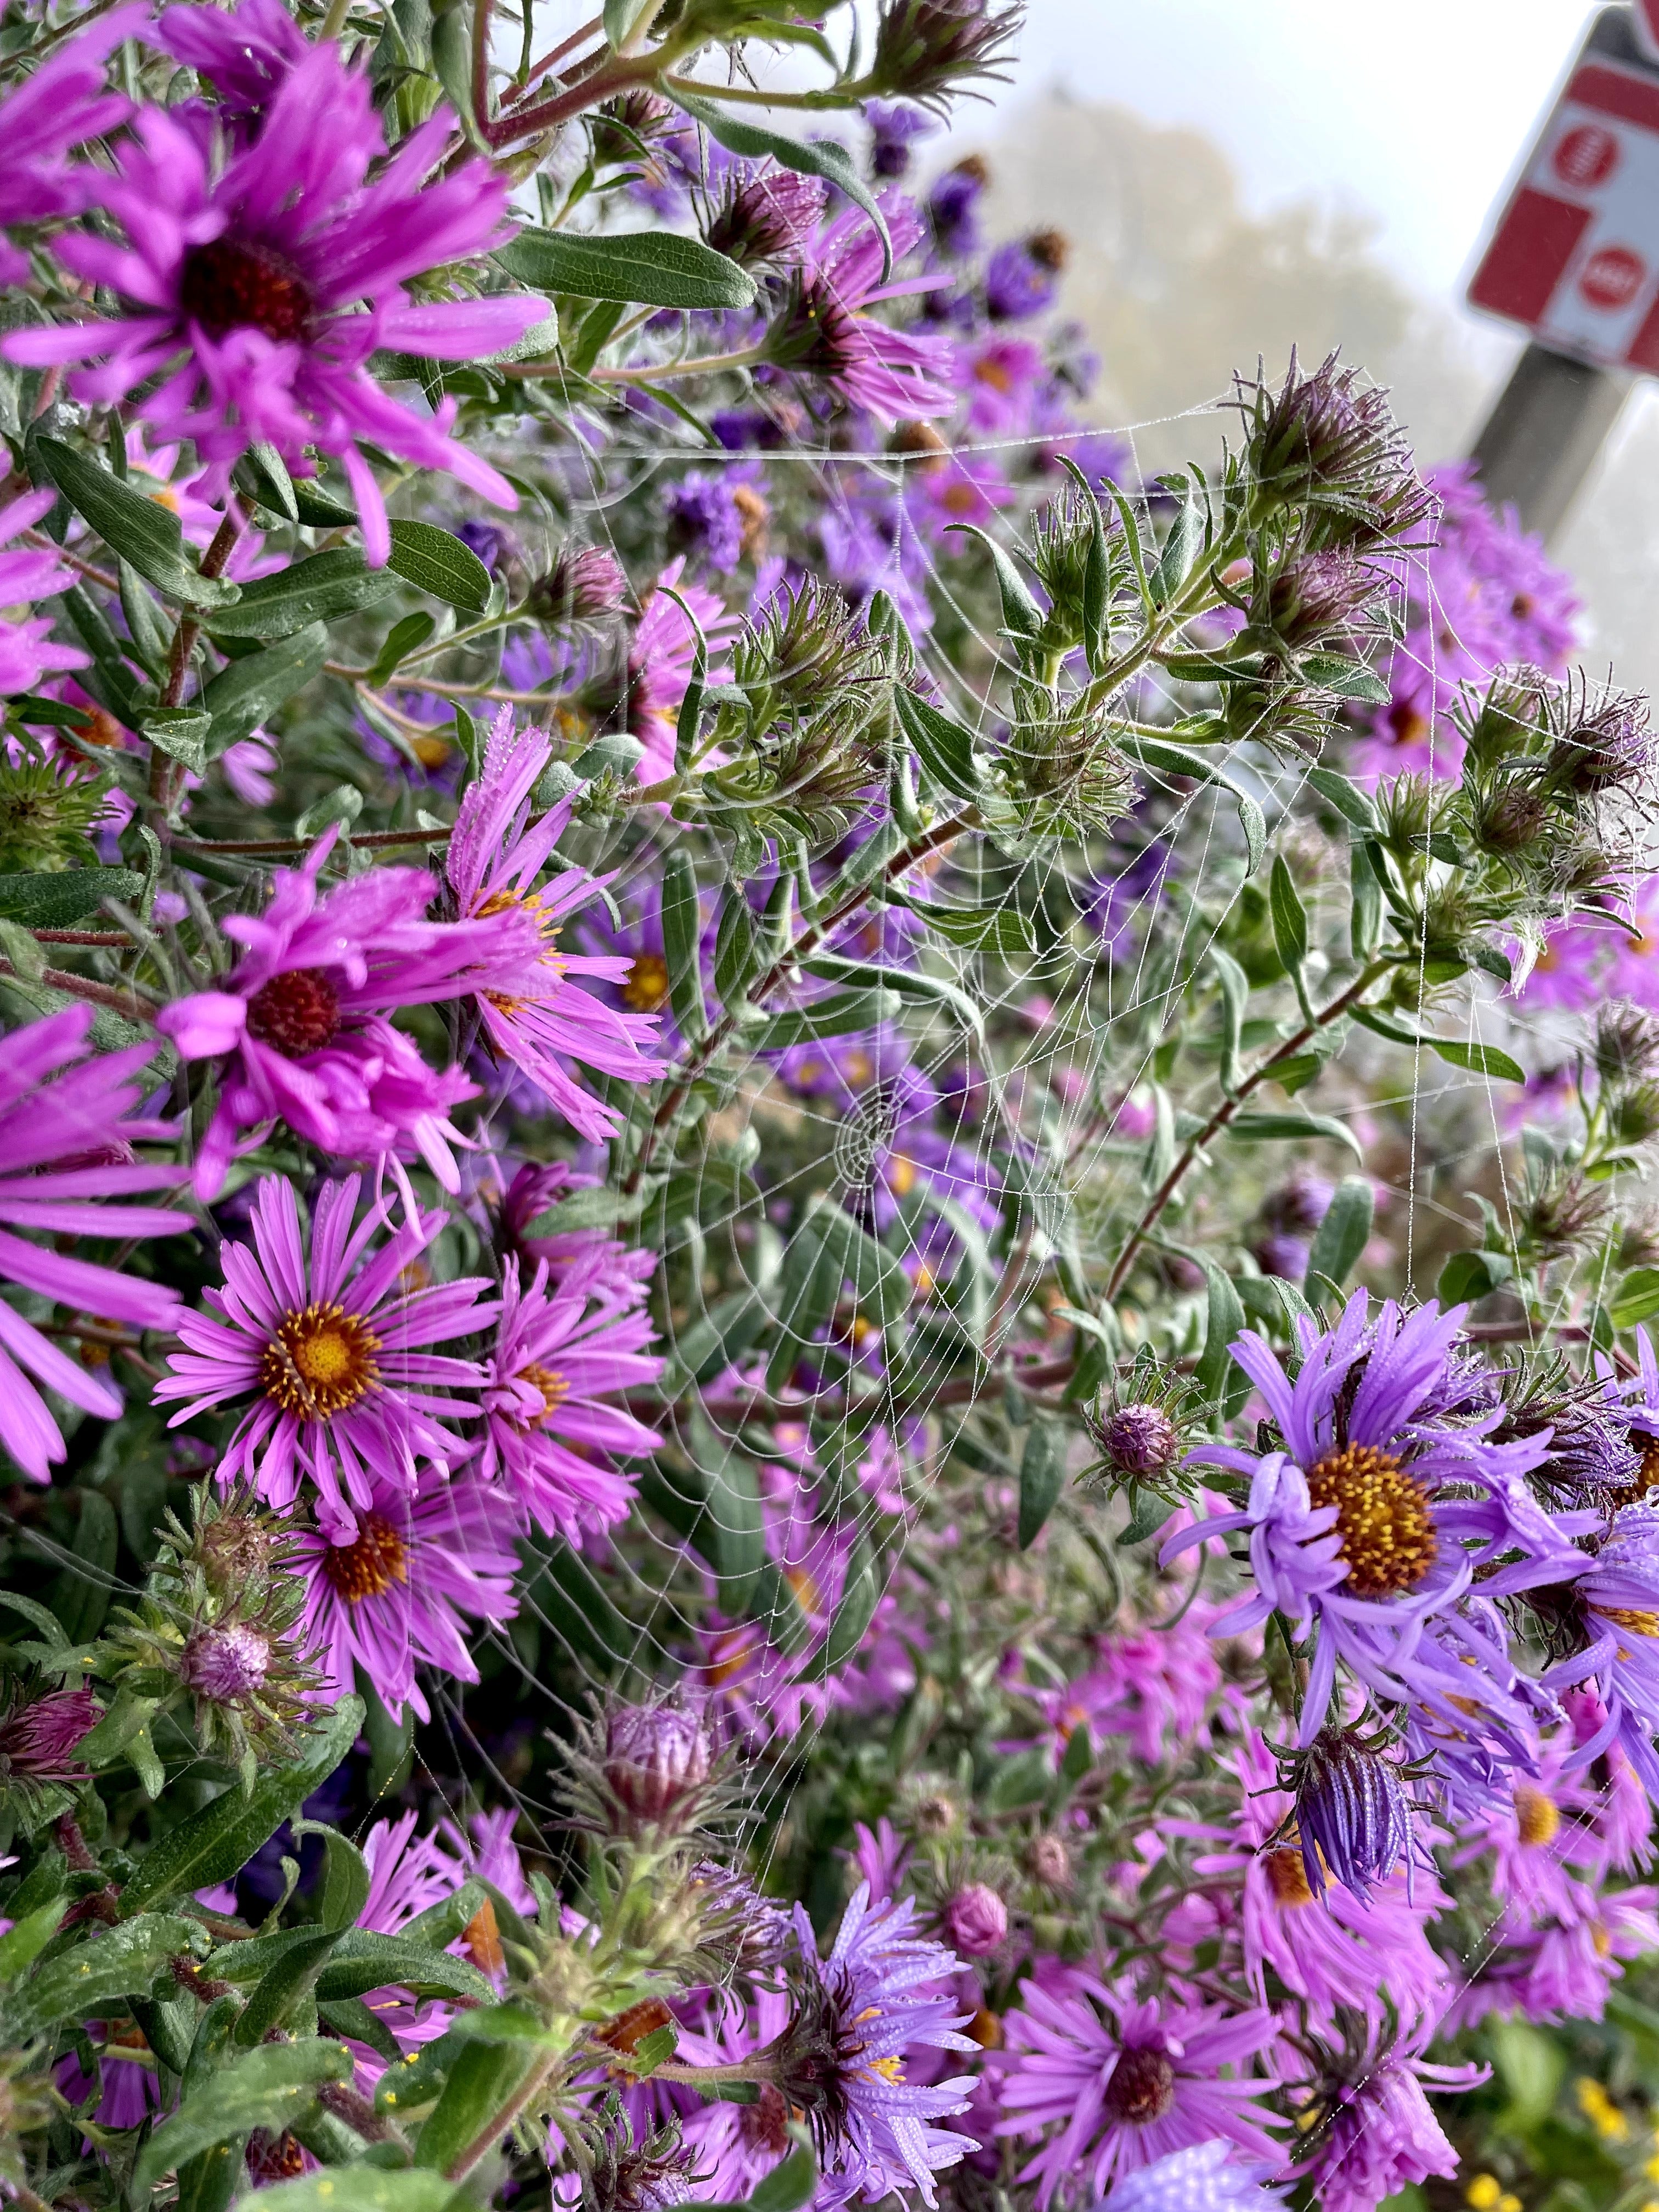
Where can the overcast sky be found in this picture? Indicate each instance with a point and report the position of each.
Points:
(1415, 110)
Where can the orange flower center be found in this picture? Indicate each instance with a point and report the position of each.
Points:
(1383, 1519)
(320, 1361)
(368, 1567)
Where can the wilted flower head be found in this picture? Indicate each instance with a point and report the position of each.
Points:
(1352, 1817)
(631, 2175)
(38, 1737)
(1603, 741)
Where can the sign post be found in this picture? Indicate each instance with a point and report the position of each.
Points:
(1575, 259)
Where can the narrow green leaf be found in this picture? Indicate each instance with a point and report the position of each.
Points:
(736, 947)
(945, 748)
(879, 1282)
(1021, 614)
(824, 157)
(249, 692)
(363, 1960)
(181, 732)
(24, 1940)
(1235, 999)
(401, 639)
(1341, 1236)
(1042, 1478)
(681, 938)
(152, 639)
(263, 2088)
(320, 589)
(1290, 915)
(284, 1984)
(480, 2084)
(838, 1015)
(1479, 1059)
(1349, 800)
(1285, 1129)
(1216, 1375)
(656, 268)
(141, 530)
(1185, 542)
(436, 561)
(79, 1983)
(1347, 679)
(263, 473)
(58, 900)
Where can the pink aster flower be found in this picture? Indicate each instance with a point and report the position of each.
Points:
(397, 1588)
(67, 1168)
(548, 1434)
(660, 660)
(1633, 968)
(298, 1022)
(26, 647)
(1568, 965)
(826, 332)
(244, 287)
(245, 54)
(1374, 2130)
(333, 1347)
(1111, 2084)
(64, 103)
(533, 1014)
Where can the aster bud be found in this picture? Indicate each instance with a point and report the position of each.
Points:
(1607, 744)
(226, 1663)
(37, 1740)
(586, 584)
(768, 217)
(1352, 1819)
(1047, 1861)
(975, 1920)
(1061, 768)
(625, 126)
(1626, 1047)
(1139, 1441)
(1328, 445)
(657, 1762)
(926, 49)
(1315, 597)
(1510, 818)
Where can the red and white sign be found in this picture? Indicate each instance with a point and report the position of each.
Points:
(1575, 255)
(1646, 26)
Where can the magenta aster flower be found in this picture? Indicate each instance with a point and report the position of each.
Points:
(1206, 2177)
(297, 1023)
(1356, 1528)
(64, 103)
(1633, 966)
(26, 649)
(245, 54)
(66, 1137)
(1123, 2083)
(532, 1013)
(1375, 2129)
(1570, 961)
(548, 1434)
(332, 1346)
(880, 2001)
(394, 1590)
(827, 333)
(37, 1740)
(660, 660)
(257, 295)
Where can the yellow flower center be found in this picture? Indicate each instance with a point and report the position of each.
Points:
(1537, 1817)
(368, 1567)
(1287, 1877)
(433, 753)
(1384, 1521)
(1625, 1616)
(554, 1387)
(646, 986)
(320, 1361)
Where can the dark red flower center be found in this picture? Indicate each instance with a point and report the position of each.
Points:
(227, 287)
(296, 1013)
(1142, 2087)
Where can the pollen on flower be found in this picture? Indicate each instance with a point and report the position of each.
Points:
(1630, 1617)
(294, 1013)
(227, 287)
(1383, 1518)
(1287, 1877)
(320, 1361)
(369, 1566)
(554, 1387)
(1141, 2088)
(645, 989)
(1537, 1817)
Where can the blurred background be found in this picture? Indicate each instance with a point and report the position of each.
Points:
(1232, 181)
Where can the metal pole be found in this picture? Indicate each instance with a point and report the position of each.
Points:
(1542, 437)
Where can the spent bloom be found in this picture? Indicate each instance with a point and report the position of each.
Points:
(26, 648)
(68, 1126)
(976, 1919)
(533, 1013)
(549, 1435)
(1369, 2116)
(299, 1023)
(257, 295)
(331, 1341)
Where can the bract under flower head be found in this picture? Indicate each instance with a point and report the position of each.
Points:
(257, 295)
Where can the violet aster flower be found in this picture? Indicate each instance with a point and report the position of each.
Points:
(67, 1168)
(298, 1022)
(395, 1589)
(37, 1740)
(1205, 2178)
(600, 1262)
(881, 1999)
(243, 288)
(892, 127)
(533, 1014)
(246, 54)
(1614, 1603)
(548, 1434)
(1372, 2129)
(1021, 278)
(334, 1349)
(26, 649)
(953, 207)
(1353, 1530)
(64, 103)
(1123, 2083)
(824, 331)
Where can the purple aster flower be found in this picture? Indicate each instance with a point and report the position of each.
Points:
(26, 649)
(586, 584)
(1351, 1812)
(299, 1022)
(953, 208)
(1355, 1526)
(245, 54)
(892, 127)
(975, 1920)
(68, 1125)
(533, 1015)
(549, 1436)
(599, 1263)
(64, 103)
(1123, 2083)
(705, 518)
(880, 2003)
(1206, 2177)
(394, 1587)
(825, 330)
(1021, 278)
(243, 286)
(332, 1345)
(1613, 1604)
(660, 661)
(1633, 968)
(1374, 2130)
(37, 1740)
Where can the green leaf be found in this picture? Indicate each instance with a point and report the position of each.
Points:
(619, 19)
(482, 2082)
(1215, 1375)
(349, 2017)
(362, 1960)
(284, 1984)
(181, 732)
(263, 473)
(840, 1013)
(443, 1924)
(24, 1940)
(436, 561)
(140, 530)
(58, 900)
(823, 158)
(736, 947)
(657, 268)
(945, 748)
(1636, 1298)
(79, 1983)
(1185, 541)
(1341, 1236)
(909, 982)
(1479, 1059)
(1042, 1478)
(401, 639)
(1349, 800)
(1166, 759)
(1467, 1276)
(249, 692)
(860, 1594)
(151, 639)
(1285, 1128)
(808, 1285)
(320, 589)
(365, 2188)
(1000, 929)
(1347, 679)
(682, 942)
(1235, 999)
(879, 1283)
(1290, 915)
(212, 1844)
(1021, 614)
(263, 2088)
